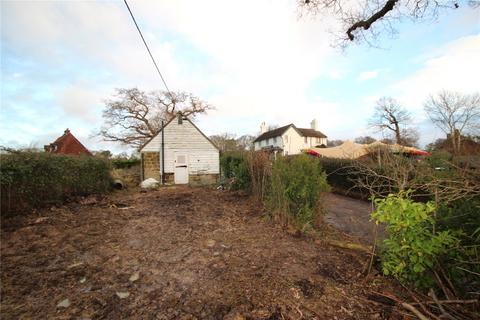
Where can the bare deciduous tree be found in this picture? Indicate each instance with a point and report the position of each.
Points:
(384, 172)
(391, 118)
(365, 20)
(365, 140)
(245, 142)
(228, 142)
(134, 116)
(334, 143)
(225, 142)
(455, 113)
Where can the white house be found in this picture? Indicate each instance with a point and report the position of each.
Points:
(189, 156)
(289, 139)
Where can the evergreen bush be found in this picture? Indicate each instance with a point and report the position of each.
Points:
(295, 187)
(35, 179)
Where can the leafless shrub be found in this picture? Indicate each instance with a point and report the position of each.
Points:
(260, 169)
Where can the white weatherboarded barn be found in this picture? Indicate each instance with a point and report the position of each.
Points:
(190, 157)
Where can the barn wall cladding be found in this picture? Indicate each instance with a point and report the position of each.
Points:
(190, 157)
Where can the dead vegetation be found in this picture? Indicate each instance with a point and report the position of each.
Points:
(180, 253)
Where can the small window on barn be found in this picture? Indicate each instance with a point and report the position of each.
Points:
(180, 118)
(181, 159)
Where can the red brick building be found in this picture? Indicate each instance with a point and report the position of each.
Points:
(67, 144)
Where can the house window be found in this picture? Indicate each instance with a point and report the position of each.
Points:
(275, 140)
(181, 159)
(268, 141)
(318, 140)
(306, 139)
(286, 138)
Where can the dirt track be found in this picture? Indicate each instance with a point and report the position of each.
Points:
(197, 253)
(350, 215)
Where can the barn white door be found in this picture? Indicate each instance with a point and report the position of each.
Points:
(181, 169)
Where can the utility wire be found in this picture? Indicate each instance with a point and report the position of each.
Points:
(148, 49)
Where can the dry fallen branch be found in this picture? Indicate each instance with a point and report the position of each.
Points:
(414, 310)
(445, 314)
(471, 301)
(350, 245)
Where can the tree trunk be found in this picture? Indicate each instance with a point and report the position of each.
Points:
(398, 137)
(453, 139)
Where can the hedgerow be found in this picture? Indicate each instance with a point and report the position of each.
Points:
(36, 179)
(125, 163)
(234, 166)
(290, 187)
(295, 187)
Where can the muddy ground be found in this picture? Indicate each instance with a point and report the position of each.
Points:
(178, 253)
(351, 216)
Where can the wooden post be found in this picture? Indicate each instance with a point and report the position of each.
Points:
(163, 157)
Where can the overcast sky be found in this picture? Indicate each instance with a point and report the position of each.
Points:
(254, 60)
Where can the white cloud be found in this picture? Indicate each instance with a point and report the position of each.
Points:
(367, 75)
(80, 102)
(455, 66)
(254, 60)
(257, 58)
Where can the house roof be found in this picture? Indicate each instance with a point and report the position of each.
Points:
(273, 133)
(67, 144)
(306, 132)
(279, 131)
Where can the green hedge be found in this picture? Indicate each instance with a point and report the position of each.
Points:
(234, 167)
(341, 176)
(289, 186)
(345, 175)
(34, 179)
(295, 187)
(122, 163)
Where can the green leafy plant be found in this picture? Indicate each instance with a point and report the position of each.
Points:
(35, 179)
(295, 187)
(125, 163)
(235, 167)
(412, 246)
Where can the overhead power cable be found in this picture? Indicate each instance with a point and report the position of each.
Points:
(148, 49)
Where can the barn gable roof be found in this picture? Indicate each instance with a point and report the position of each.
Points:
(166, 124)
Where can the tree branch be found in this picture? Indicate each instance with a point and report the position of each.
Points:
(365, 24)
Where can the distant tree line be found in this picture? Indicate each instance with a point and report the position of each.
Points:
(228, 142)
(133, 116)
